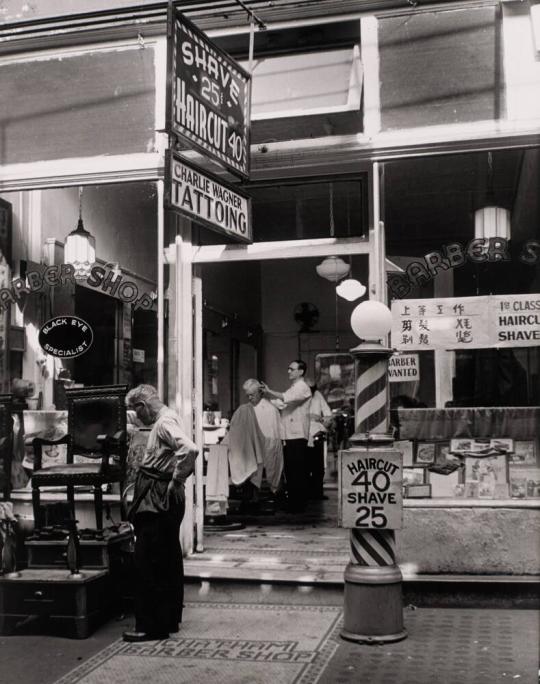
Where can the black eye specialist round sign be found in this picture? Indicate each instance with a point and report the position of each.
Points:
(66, 337)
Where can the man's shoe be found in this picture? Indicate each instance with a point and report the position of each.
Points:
(137, 637)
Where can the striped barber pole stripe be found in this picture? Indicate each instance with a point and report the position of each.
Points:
(373, 547)
(371, 398)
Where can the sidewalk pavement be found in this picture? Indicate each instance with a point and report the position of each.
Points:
(262, 643)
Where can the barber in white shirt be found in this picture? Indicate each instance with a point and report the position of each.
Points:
(295, 426)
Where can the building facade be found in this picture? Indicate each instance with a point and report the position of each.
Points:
(382, 133)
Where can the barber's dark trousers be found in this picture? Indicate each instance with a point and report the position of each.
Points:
(315, 461)
(159, 567)
(296, 473)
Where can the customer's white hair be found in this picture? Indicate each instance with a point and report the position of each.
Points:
(141, 393)
(251, 384)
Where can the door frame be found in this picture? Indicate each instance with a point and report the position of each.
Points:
(189, 335)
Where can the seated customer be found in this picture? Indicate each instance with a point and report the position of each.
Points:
(269, 421)
(254, 443)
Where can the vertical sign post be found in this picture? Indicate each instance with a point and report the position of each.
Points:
(370, 498)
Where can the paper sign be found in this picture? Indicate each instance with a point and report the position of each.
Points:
(466, 322)
(403, 368)
(370, 489)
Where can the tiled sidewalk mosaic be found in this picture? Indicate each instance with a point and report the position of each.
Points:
(225, 644)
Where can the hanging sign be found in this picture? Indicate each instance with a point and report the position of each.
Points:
(209, 96)
(403, 368)
(65, 337)
(207, 199)
(370, 489)
(466, 322)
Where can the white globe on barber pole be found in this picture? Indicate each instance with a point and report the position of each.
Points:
(371, 320)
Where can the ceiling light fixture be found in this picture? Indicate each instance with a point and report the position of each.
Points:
(80, 247)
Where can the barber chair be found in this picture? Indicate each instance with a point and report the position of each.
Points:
(96, 449)
(6, 444)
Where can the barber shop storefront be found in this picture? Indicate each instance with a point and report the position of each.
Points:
(381, 162)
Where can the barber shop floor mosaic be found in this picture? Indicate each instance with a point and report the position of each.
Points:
(225, 643)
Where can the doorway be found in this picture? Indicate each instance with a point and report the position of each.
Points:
(97, 366)
(257, 317)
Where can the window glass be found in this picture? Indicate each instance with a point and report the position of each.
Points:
(465, 231)
(304, 83)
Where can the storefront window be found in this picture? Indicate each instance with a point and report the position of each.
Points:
(307, 81)
(465, 230)
(115, 299)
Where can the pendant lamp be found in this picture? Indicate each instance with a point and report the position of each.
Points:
(491, 221)
(332, 268)
(80, 247)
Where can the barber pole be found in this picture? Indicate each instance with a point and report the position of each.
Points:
(373, 611)
(373, 547)
(371, 396)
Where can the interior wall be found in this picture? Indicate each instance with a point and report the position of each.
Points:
(284, 285)
(232, 312)
(122, 218)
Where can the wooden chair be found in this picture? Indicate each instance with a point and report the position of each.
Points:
(6, 444)
(96, 448)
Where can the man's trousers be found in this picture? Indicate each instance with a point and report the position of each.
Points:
(296, 473)
(159, 569)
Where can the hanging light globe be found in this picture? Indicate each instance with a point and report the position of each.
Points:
(351, 289)
(80, 250)
(333, 268)
(492, 222)
(80, 247)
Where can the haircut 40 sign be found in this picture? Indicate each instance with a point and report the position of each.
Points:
(370, 495)
(209, 96)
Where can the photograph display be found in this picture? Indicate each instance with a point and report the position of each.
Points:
(483, 474)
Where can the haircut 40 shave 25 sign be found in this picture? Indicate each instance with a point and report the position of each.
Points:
(201, 196)
(370, 494)
(209, 96)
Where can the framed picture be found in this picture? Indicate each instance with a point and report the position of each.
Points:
(483, 474)
(524, 453)
(461, 446)
(444, 486)
(419, 491)
(502, 444)
(444, 455)
(524, 482)
(413, 476)
(425, 453)
(406, 448)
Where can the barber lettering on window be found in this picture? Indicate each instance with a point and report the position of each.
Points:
(156, 512)
(294, 407)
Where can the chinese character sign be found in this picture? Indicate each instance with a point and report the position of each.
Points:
(451, 323)
(466, 322)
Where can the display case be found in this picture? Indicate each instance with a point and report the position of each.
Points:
(472, 453)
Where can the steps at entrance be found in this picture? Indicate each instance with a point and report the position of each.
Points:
(426, 591)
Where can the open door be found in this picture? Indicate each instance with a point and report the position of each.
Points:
(198, 391)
